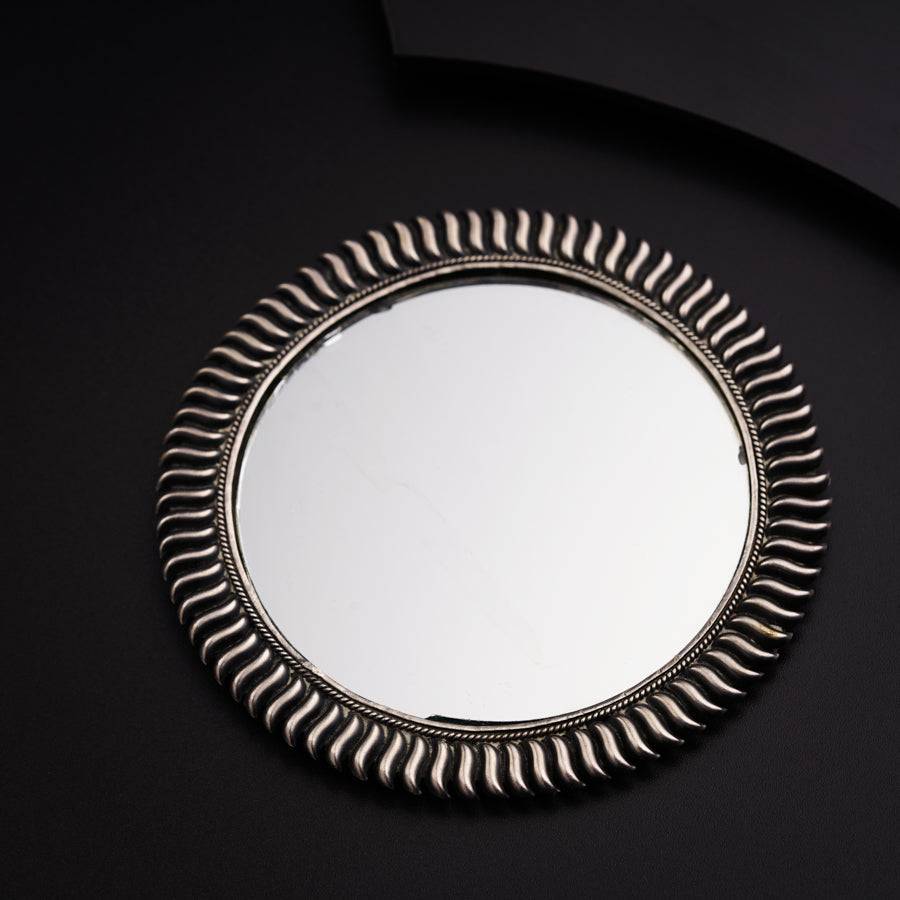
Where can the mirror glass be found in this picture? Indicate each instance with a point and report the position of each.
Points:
(493, 502)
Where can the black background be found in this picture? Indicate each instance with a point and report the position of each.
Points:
(166, 167)
(817, 77)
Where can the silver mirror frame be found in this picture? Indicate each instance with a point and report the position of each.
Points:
(215, 599)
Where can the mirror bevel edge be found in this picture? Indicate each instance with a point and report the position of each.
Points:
(468, 270)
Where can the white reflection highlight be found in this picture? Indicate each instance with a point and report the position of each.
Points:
(493, 502)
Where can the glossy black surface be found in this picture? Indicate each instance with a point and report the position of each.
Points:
(167, 168)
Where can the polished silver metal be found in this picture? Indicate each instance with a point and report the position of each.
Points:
(215, 598)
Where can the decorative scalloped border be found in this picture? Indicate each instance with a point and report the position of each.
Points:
(234, 636)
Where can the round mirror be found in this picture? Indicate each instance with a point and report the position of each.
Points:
(491, 503)
(494, 501)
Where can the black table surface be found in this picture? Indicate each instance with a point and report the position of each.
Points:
(165, 167)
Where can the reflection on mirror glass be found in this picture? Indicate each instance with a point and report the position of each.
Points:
(493, 502)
